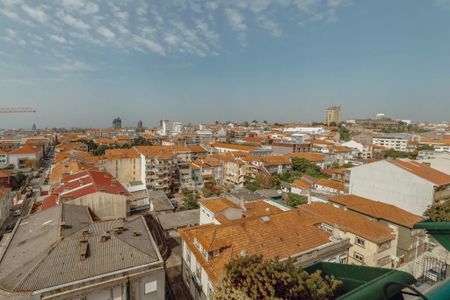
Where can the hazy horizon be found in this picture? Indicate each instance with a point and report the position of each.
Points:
(82, 63)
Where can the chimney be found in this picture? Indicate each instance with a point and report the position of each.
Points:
(105, 236)
(84, 247)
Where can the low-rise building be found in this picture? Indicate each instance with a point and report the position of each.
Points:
(328, 186)
(291, 234)
(25, 157)
(373, 244)
(124, 164)
(101, 192)
(64, 254)
(409, 185)
(410, 242)
(396, 141)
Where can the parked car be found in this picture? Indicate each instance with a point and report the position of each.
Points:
(17, 213)
(9, 228)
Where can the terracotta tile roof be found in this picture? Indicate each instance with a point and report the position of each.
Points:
(349, 221)
(255, 139)
(67, 168)
(104, 141)
(198, 149)
(423, 171)
(276, 236)
(120, 154)
(301, 184)
(321, 142)
(234, 147)
(24, 150)
(311, 156)
(216, 205)
(377, 210)
(212, 162)
(333, 171)
(259, 208)
(87, 182)
(331, 184)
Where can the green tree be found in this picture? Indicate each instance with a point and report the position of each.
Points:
(294, 200)
(20, 178)
(251, 277)
(252, 185)
(344, 133)
(439, 212)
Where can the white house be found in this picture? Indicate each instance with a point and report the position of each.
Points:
(409, 185)
(361, 150)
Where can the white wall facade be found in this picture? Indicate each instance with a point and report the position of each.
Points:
(390, 184)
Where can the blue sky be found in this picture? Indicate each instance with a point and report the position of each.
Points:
(81, 63)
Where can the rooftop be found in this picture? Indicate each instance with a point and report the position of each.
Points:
(423, 171)
(276, 236)
(349, 221)
(44, 251)
(377, 210)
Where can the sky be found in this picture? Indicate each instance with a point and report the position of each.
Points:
(82, 63)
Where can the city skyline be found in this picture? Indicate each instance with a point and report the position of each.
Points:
(83, 63)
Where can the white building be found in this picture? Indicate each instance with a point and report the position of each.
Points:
(396, 141)
(409, 185)
(359, 150)
(170, 128)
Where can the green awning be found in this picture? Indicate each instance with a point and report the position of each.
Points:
(439, 230)
(361, 282)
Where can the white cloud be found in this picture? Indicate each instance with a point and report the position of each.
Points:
(73, 22)
(35, 13)
(58, 38)
(168, 27)
(151, 45)
(105, 32)
(70, 65)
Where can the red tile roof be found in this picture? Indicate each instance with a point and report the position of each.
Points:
(423, 171)
(85, 183)
(27, 149)
(349, 221)
(377, 210)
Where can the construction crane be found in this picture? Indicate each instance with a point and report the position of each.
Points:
(7, 110)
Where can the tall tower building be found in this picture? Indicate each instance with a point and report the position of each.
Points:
(140, 125)
(333, 115)
(117, 123)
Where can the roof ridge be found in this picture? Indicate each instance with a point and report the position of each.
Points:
(135, 248)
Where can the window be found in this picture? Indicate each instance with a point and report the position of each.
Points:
(198, 273)
(384, 246)
(215, 253)
(150, 287)
(343, 259)
(360, 242)
(358, 256)
(384, 261)
(188, 257)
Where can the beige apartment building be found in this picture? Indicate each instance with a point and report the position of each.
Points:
(124, 164)
(373, 244)
(333, 115)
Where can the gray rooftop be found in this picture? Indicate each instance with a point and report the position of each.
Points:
(179, 219)
(244, 195)
(160, 201)
(45, 249)
(268, 193)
